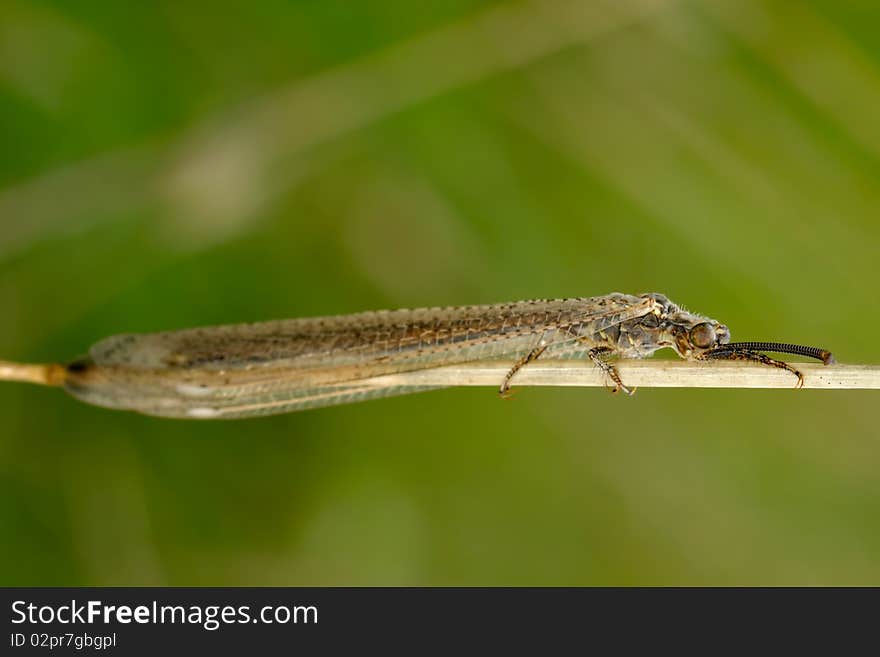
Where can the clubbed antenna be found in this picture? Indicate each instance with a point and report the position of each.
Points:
(780, 348)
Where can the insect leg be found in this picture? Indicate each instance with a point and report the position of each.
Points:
(599, 356)
(755, 357)
(504, 390)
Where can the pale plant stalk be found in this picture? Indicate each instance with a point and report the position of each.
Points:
(246, 370)
(653, 373)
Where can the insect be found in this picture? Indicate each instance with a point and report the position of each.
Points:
(273, 367)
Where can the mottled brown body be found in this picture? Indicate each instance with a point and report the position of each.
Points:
(272, 367)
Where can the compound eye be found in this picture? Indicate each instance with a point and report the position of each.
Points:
(703, 335)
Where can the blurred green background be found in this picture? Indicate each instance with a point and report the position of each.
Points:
(166, 164)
